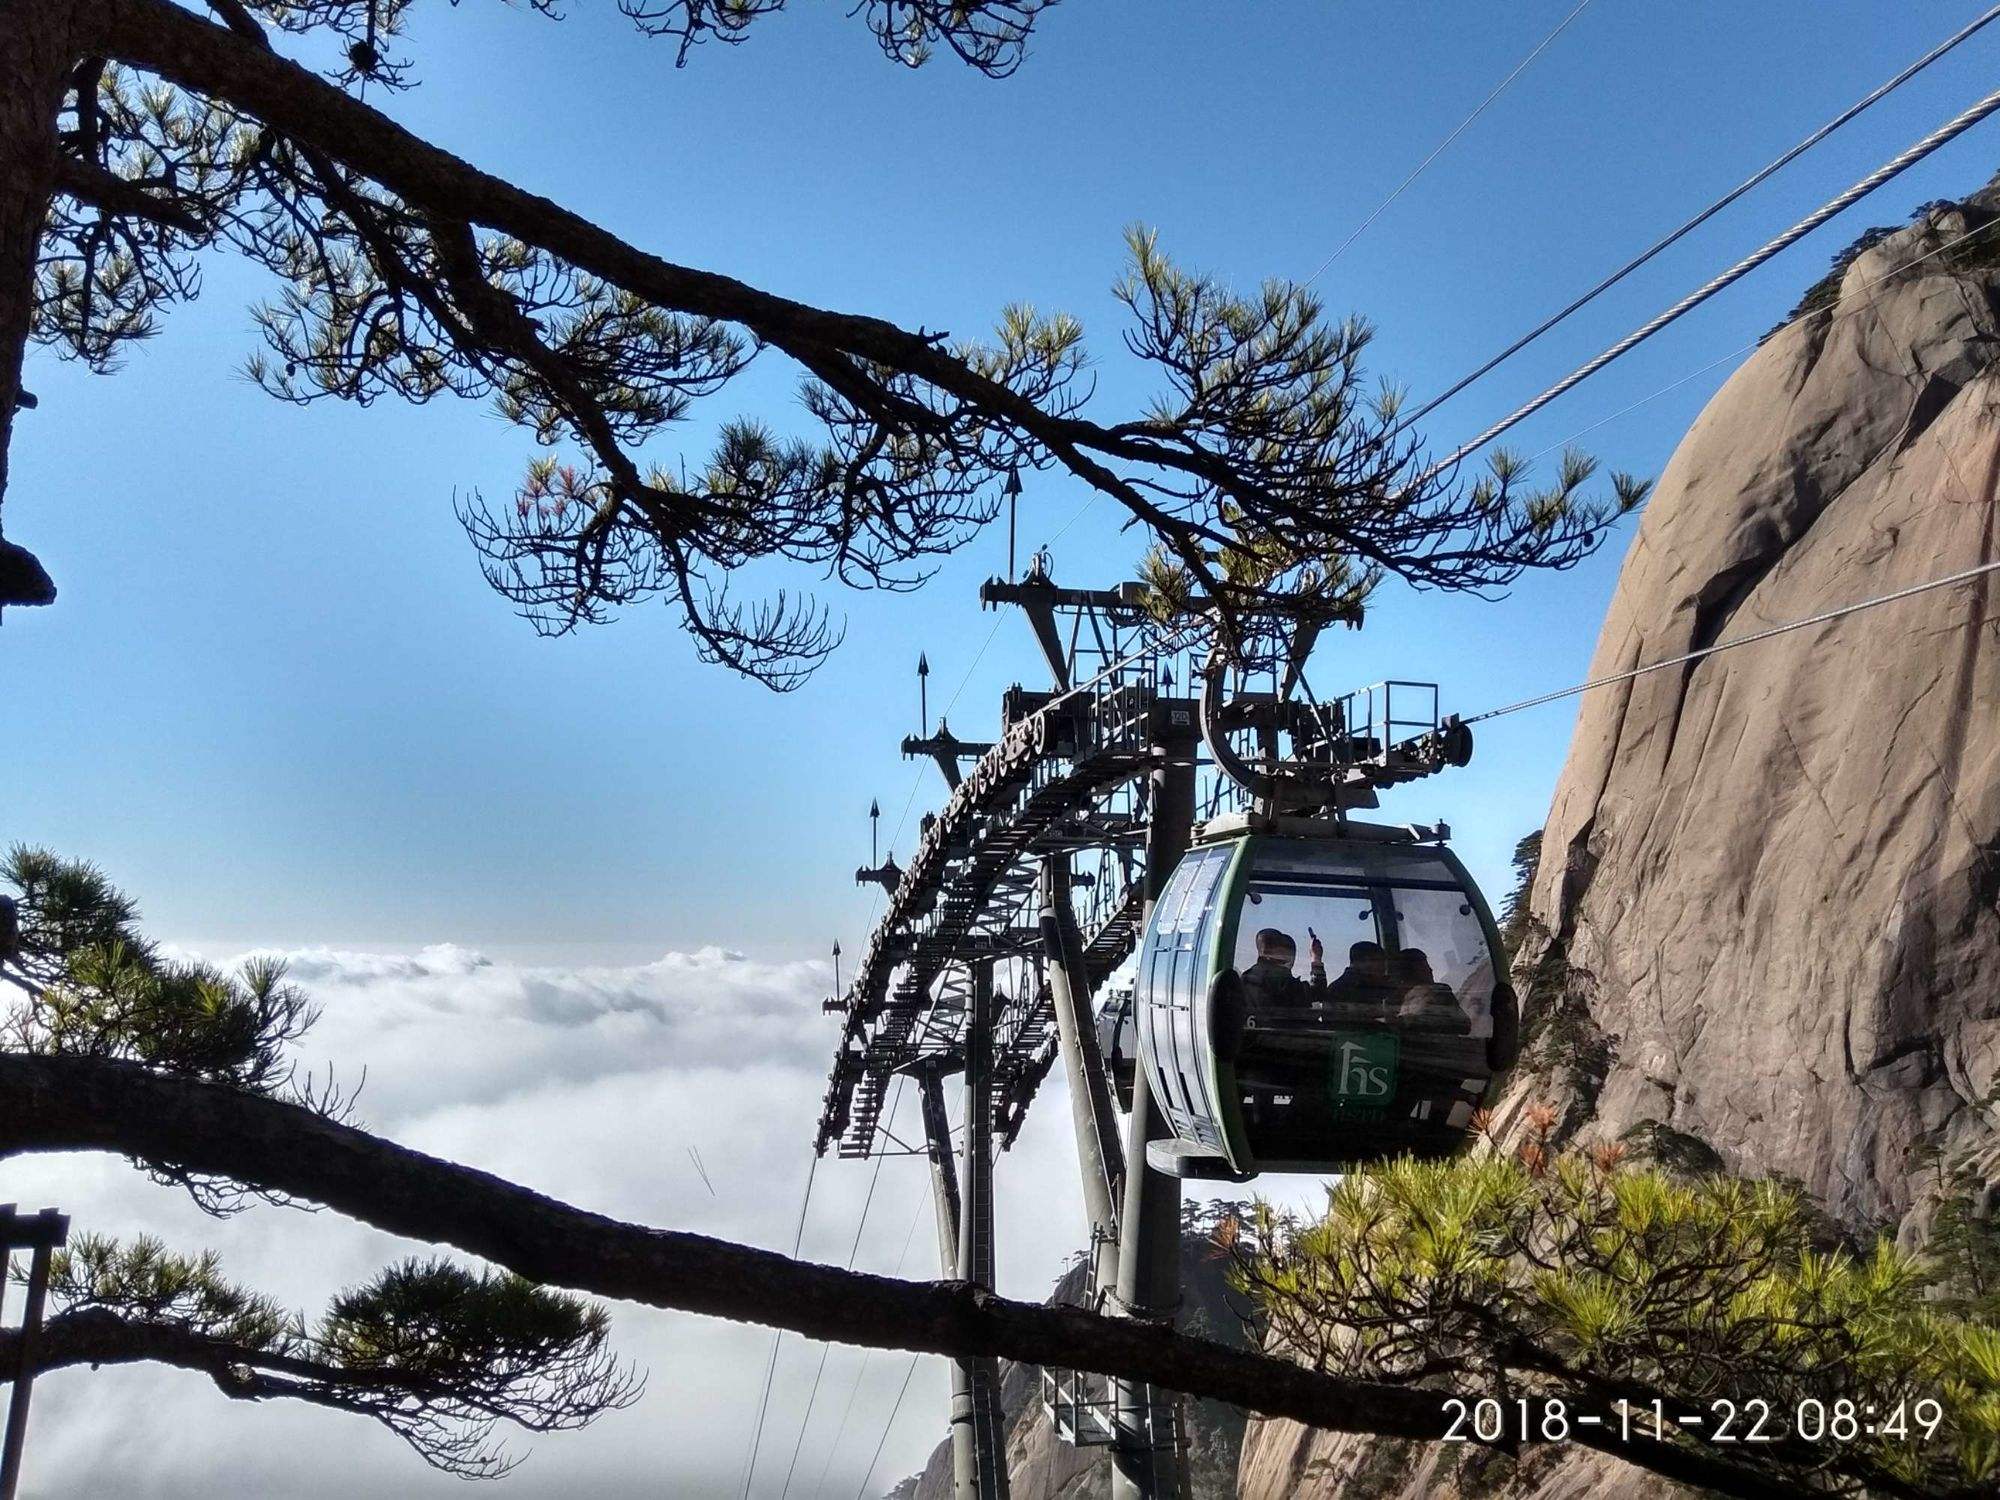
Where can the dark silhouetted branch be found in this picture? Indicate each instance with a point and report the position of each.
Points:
(71, 1104)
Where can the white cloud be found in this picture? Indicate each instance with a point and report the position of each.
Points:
(591, 1083)
(588, 1082)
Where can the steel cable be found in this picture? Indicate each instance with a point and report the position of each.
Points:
(853, 1252)
(1869, 289)
(777, 1337)
(1890, 169)
(1443, 145)
(866, 1354)
(1759, 635)
(1881, 92)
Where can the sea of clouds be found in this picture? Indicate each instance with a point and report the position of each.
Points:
(680, 1093)
(613, 1087)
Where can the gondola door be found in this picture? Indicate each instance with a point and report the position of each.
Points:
(1192, 931)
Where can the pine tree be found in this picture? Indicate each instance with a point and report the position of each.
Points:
(142, 136)
(1514, 914)
(1580, 1283)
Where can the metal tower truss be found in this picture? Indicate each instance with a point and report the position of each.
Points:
(1067, 777)
(1026, 891)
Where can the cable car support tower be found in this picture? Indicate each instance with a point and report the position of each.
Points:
(1026, 891)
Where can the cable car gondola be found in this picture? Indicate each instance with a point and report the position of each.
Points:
(1315, 993)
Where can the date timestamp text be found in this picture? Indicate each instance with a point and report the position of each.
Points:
(1551, 1420)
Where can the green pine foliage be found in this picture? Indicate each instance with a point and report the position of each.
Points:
(1964, 1240)
(91, 984)
(1978, 251)
(145, 1281)
(1581, 1277)
(1514, 916)
(436, 1352)
(443, 1323)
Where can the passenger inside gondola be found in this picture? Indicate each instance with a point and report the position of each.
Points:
(1363, 989)
(1391, 1054)
(1425, 1004)
(1274, 994)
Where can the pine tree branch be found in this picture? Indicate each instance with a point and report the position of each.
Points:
(56, 1103)
(98, 1336)
(87, 182)
(448, 1421)
(210, 60)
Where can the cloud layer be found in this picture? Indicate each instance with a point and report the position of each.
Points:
(616, 1088)
(600, 1084)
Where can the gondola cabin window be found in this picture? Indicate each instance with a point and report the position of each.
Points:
(1311, 1002)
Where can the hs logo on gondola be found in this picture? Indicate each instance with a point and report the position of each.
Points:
(1364, 1069)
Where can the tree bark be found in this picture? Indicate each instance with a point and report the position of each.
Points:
(37, 52)
(90, 1104)
(97, 1336)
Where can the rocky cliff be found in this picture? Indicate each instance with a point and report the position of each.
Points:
(1764, 933)
(1765, 918)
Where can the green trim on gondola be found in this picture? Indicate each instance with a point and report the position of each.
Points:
(1189, 1017)
(1222, 956)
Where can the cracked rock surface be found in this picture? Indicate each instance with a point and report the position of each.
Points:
(1769, 877)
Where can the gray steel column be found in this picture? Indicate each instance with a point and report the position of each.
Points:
(944, 1192)
(1149, 1245)
(944, 1176)
(1099, 1152)
(976, 1427)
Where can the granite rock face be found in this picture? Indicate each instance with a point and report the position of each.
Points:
(1765, 931)
(1766, 910)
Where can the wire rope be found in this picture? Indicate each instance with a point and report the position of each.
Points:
(777, 1337)
(888, 1427)
(1944, 134)
(1963, 576)
(1895, 167)
(1882, 91)
(1868, 289)
(917, 780)
(1445, 144)
(854, 1390)
(853, 1252)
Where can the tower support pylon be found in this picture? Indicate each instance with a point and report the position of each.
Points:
(1145, 1459)
(978, 1435)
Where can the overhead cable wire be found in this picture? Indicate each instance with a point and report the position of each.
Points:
(695, 1157)
(917, 781)
(1075, 516)
(854, 1390)
(853, 1252)
(1443, 145)
(777, 1337)
(888, 1427)
(1868, 290)
(901, 819)
(1943, 135)
(1436, 152)
(1963, 576)
(1853, 111)
(1170, 643)
(1881, 92)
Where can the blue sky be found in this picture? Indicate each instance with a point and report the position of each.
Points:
(277, 701)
